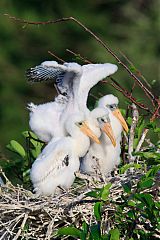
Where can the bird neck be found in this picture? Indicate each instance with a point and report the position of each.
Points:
(82, 143)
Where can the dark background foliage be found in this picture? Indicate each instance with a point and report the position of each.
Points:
(132, 26)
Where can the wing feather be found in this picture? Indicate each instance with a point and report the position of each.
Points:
(61, 75)
(50, 163)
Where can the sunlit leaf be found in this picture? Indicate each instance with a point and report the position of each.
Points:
(157, 130)
(94, 194)
(105, 192)
(115, 234)
(153, 171)
(70, 231)
(131, 203)
(128, 166)
(16, 147)
(145, 183)
(129, 121)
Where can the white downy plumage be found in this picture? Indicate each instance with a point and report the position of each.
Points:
(103, 158)
(74, 83)
(59, 160)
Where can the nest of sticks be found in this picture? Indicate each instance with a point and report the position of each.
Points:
(27, 216)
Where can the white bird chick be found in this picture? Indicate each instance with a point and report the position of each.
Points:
(74, 82)
(110, 102)
(92, 162)
(107, 155)
(59, 160)
(118, 123)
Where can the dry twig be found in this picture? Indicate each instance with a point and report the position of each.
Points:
(132, 132)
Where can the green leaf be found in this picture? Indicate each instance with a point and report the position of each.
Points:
(151, 125)
(130, 165)
(146, 183)
(127, 187)
(35, 152)
(105, 237)
(94, 194)
(151, 155)
(131, 214)
(85, 230)
(131, 203)
(105, 192)
(33, 139)
(16, 147)
(29, 134)
(129, 121)
(153, 171)
(123, 111)
(95, 231)
(70, 231)
(115, 234)
(98, 210)
(157, 130)
(145, 198)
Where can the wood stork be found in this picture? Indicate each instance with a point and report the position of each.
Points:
(59, 160)
(74, 82)
(103, 158)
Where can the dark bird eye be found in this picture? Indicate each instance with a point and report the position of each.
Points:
(102, 119)
(80, 123)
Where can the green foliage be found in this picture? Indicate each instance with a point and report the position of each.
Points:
(136, 214)
(100, 193)
(19, 166)
(14, 146)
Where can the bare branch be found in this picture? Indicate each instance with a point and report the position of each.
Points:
(21, 227)
(141, 141)
(58, 58)
(132, 133)
(145, 89)
(137, 71)
(78, 55)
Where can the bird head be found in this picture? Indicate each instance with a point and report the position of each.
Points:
(111, 103)
(102, 116)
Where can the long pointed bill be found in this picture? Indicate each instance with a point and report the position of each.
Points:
(119, 116)
(109, 132)
(87, 131)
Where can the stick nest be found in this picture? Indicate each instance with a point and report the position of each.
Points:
(25, 215)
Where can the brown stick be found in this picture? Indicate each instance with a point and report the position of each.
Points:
(117, 86)
(58, 58)
(137, 70)
(78, 55)
(145, 89)
(135, 117)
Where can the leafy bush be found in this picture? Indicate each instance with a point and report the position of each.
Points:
(18, 167)
(135, 212)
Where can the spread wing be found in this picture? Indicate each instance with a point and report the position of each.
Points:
(61, 75)
(92, 74)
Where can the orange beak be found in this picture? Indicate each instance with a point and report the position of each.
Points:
(109, 132)
(87, 131)
(119, 116)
